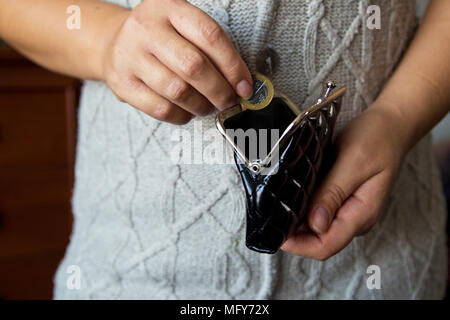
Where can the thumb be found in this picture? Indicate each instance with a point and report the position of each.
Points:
(340, 182)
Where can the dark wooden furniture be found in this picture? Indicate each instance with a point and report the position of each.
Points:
(37, 138)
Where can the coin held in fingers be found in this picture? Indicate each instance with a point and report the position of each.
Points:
(263, 93)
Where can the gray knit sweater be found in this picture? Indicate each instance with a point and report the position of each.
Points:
(148, 228)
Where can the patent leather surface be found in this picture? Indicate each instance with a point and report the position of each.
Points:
(277, 203)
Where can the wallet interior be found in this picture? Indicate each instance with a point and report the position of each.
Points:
(277, 115)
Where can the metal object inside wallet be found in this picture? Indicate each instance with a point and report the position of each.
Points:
(281, 153)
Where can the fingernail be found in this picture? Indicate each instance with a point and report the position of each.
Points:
(321, 219)
(244, 89)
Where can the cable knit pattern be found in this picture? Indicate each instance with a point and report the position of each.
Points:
(148, 228)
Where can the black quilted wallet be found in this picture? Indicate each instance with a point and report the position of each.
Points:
(281, 153)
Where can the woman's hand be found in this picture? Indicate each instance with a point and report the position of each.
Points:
(370, 150)
(171, 60)
(371, 147)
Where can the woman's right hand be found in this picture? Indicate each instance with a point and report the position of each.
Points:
(172, 61)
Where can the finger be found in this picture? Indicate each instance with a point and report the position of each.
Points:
(357, 214)
(137, 94)
(340, 182)
(341, 231)
(193, 66)
(166, 83)
(201, 30)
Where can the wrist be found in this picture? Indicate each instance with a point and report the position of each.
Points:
(109, 31)
(415, 103)
(402, 131)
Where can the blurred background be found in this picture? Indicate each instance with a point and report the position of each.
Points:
(37, 146)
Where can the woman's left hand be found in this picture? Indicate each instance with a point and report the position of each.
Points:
(348, 202)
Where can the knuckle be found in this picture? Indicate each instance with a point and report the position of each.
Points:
(361, 155)
(234, 68)
(192, 64)
(130, 83)
(178, 90)
(117, 87)
(335, 195)
(164, 111)
(136, 20)
(120, 85)
(139, 21)
(211, 31)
